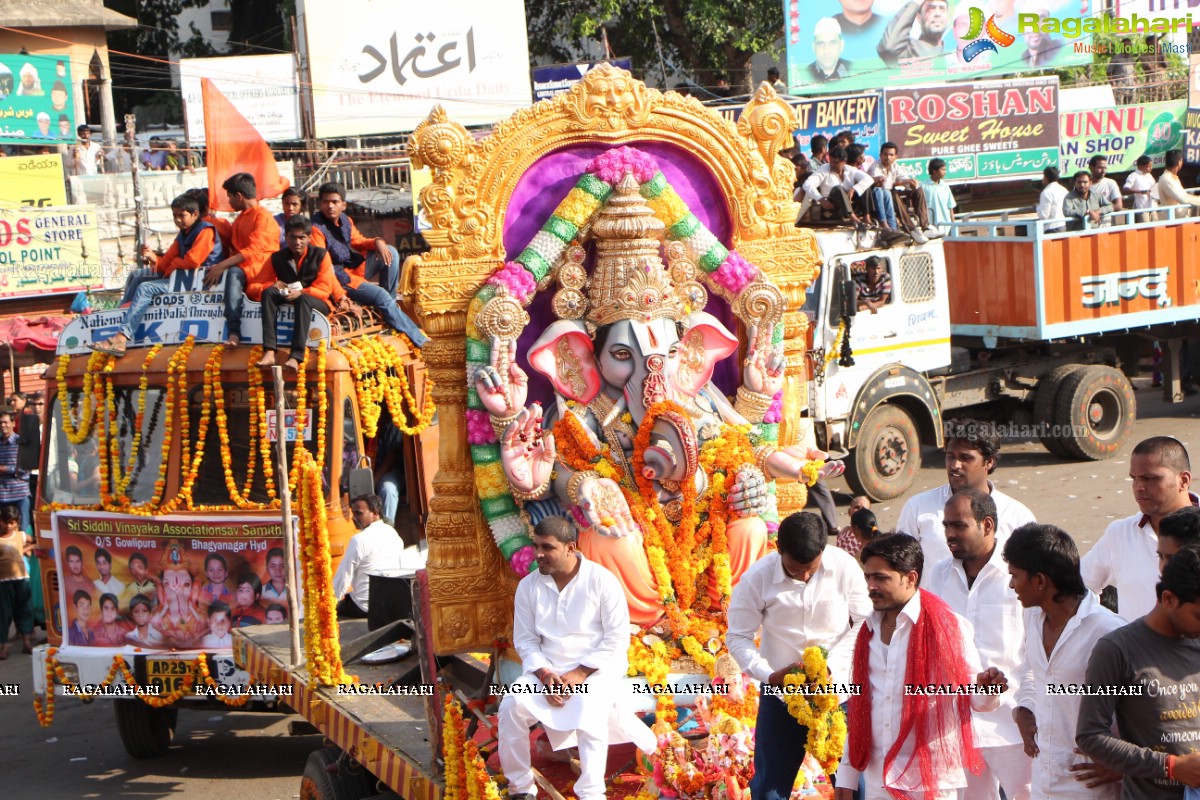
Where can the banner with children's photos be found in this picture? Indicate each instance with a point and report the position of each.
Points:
(131, 583)
(36, 101)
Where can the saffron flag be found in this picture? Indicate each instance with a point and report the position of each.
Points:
(235, 146)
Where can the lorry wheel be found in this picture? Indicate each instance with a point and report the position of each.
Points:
(325, 779)
(1098, 405)
(145, 732)
(887, 456)
(1044, 405)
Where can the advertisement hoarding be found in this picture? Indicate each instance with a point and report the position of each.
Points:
(153, 582)
(838, 46)
(860, 114)
(32, 181)
(470, 58)
(48, 250)
(263, 89)
(558, 78)
(986, 130)
(1191, 137)
(1121, 134)
(36, 102)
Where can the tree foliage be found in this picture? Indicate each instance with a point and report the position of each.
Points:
(700, 39)
(136, 80)
(259, 26)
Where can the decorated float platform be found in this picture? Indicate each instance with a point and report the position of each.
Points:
(613, 293)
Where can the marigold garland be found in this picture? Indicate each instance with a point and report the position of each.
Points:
(240, 497)
(120, 494)
(78, 433)
(54, 673)
(301, 421)
(380, 376)
(817, 709)
(453, 738)
(321, 641)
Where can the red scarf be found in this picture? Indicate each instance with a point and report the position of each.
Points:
(935, 656)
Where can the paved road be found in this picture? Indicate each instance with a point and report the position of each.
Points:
(1081, 497)
(252, 757)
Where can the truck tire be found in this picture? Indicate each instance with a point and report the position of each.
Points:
(1099, 402)
(145, 732)
(1044, 405)
(886, 456)
(325, 779)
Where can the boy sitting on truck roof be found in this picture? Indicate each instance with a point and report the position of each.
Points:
(357, 260)
(255, 237)
(196, 245)
(303, 278)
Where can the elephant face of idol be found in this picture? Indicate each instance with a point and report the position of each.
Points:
(645, 361)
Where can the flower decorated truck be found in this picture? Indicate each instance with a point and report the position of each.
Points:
(159, 520)
(614, 294)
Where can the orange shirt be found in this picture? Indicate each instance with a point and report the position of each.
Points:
(363, 244)
(256, 238)
(224, 232)
(200, 250)
(326, 283)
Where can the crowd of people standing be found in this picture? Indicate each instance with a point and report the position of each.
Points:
(978, 658)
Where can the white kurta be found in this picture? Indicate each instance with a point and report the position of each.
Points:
(995, 613)
(1057, 714)
(887, 667)
(1126, 557)
(921, 518)
(792, 615)
(586, 624)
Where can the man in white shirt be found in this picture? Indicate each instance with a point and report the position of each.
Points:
(1170, 190)
(1050, 203)
(893, 184)
(84, 157)
(1062, 622)
(972, 450)
(106, 583)
(375, 550)
(804, 595)
(833, 187)
(1142, 184)
(1127, 554)
(902, 737)
(571, 629)
(974, 583)
(1104, 186)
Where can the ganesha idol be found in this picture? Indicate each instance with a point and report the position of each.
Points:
(670, 482)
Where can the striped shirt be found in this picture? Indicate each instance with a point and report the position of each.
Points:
(14, 482)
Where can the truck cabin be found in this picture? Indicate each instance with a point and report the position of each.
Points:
(231, 429)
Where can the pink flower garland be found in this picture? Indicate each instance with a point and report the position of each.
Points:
(522, 560)
(516, 279)
(611, 166)
(479, 427)
(775, 411)
(735, 274)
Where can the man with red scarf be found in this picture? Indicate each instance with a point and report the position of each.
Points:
(910, 727)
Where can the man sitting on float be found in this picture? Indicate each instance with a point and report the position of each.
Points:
(668, 481)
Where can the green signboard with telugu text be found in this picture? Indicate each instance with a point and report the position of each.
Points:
(36, 105)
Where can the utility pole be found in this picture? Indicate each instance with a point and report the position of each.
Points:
(139, 208)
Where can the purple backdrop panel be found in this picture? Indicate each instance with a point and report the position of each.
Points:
(547, 182)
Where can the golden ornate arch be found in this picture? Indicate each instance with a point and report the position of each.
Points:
(470, 587)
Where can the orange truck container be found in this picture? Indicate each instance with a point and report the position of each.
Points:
(1036, 329)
